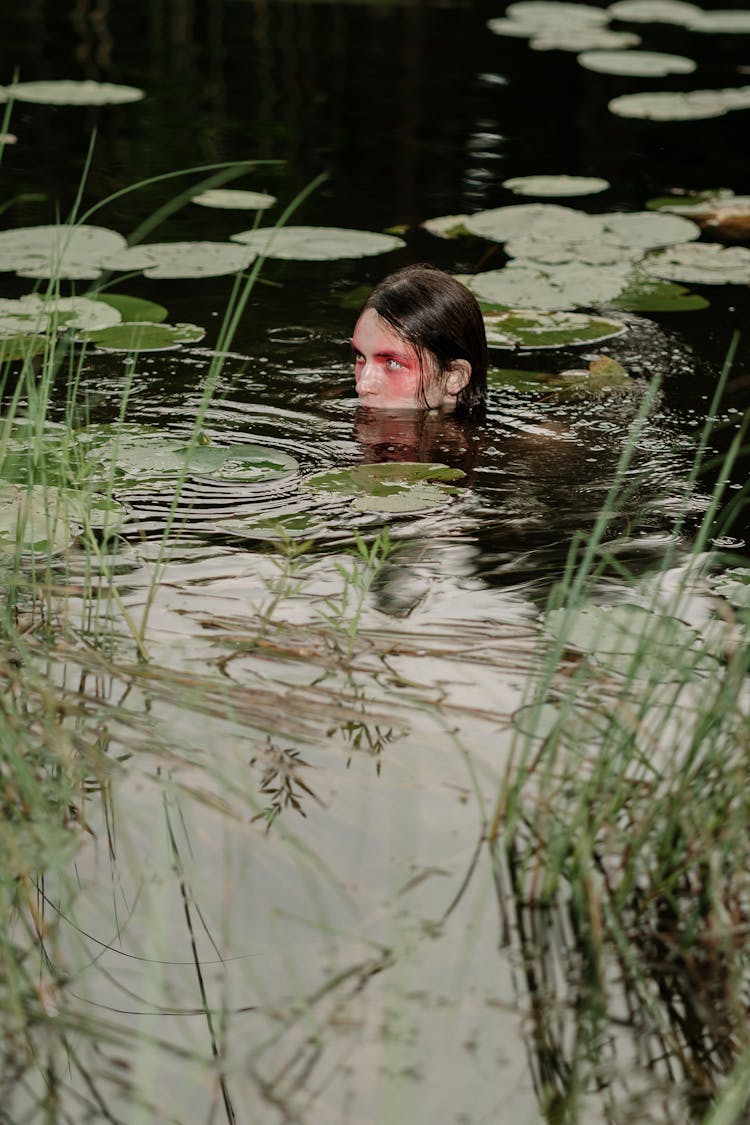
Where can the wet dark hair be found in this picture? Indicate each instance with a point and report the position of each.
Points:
(435, 313)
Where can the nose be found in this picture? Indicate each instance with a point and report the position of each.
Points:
(367, 379)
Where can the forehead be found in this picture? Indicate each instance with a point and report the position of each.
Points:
(374, 335)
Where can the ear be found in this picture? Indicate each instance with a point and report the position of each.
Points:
(459, 374)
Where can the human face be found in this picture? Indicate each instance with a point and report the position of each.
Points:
(387, 371)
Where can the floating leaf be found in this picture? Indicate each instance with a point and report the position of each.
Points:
(501, 223)
(174, 260)
(134, 308)
(532, 285)
(73, 253)
(34, 315)
(734, 585)
(33, 519)
(646, 293)
(633, 641)
(68, 92)
(638, 64)
(446, 226)
(21, 347)
(234, 199)
(534, 328)
(692, 203)
(393, 486)
(721, 211)
(554, 186)
(724, 22)
(142, 336)
(602, 374)
(584, 39)
(691, 106)
(546, 12)
(142, 454)
(317, 244)
(703, 263)
(655, 11)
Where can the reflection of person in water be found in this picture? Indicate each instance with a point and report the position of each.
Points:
(419, 344)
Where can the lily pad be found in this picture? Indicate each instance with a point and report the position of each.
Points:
(317, 244)
(446, 226)
(390, 487)
(734, 585)
(559, 186)
(142, 336)
(725, 22)
(35, 315)
(140, 454)
(134, 308)
(633, 641)
(602, 374)
(66, 252)
(721, 211)
(677, 12)
(532, 285)
(584, 39)
(235, 199)
(68, 92)
(638, 64)
(704, 263)
(546, 12)
(691, 106)
(646, 293)
(21, 347)
(33, 519)
(534, 328)
(173, 260)
(501, 223)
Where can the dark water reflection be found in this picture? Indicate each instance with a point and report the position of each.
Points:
(373, 974)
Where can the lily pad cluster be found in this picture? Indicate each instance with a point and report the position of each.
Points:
(111, 322)
(555, 25)
(389, 487)
(84, 253)
(562, 258)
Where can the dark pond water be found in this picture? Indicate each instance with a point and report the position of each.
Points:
(369, 1001)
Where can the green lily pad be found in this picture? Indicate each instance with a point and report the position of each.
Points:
(34, 315)
(646, 293)
(704, 263)
(633, 641)
(638, 64)
(173, 260)
(68, 92)
(317, 244)
(559, 186)
(536, 328)
(72, 253)
(734, 585)
(235, 199)
(601, 375)
(677, 12)
(134, 308)
(21, 347)
(142, 336)
(390, 487)
(691, 106)
(249, 464)
(694, 203)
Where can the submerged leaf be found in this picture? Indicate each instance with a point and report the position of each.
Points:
(70, 92)
(317, 244)
(559, 186)
(393, 486)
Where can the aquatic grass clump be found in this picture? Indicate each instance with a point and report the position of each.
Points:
(625, 810)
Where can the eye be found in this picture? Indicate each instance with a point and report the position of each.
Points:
(393, 365)
(358, 358)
